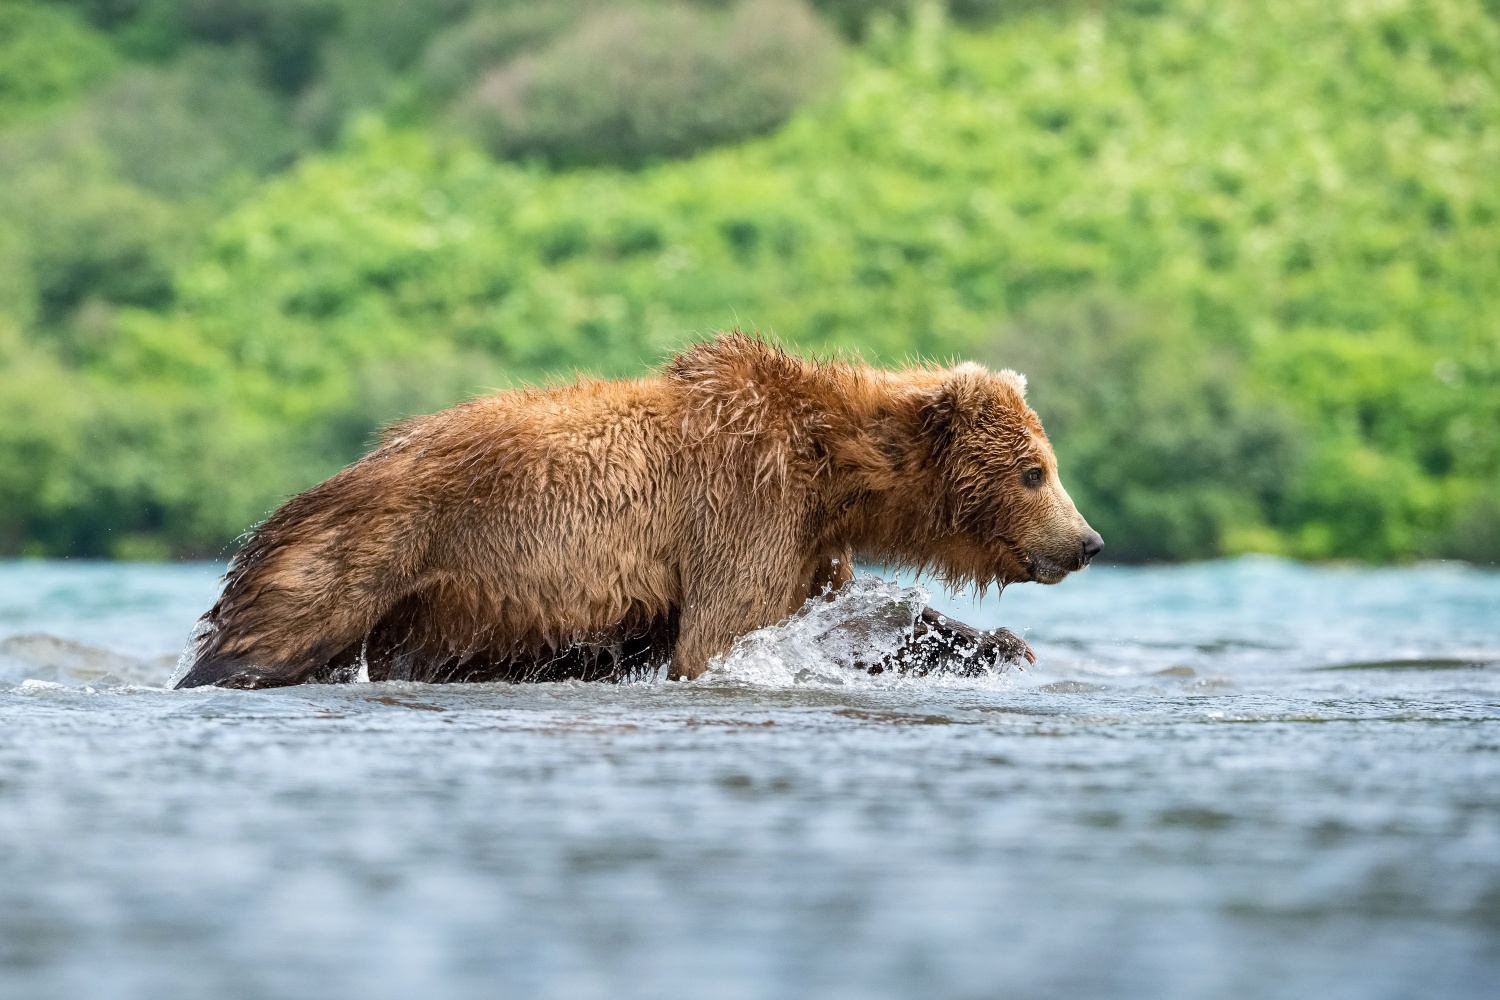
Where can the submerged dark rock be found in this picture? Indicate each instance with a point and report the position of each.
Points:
(943, 645)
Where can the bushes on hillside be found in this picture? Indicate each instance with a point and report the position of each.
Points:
(571, 81)
(633, 83)
(103, 202)
(186, 129)
(327, 58)
(46, 57)
(458, 57)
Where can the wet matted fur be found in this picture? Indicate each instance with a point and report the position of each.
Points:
(605, 528)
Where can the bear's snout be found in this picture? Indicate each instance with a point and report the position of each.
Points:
(1093, 544)
(1068, 553)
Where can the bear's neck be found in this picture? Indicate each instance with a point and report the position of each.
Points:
(884, 499)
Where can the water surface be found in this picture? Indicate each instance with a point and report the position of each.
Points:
(1246, 779)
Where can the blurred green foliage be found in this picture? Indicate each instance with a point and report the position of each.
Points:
(46, 56)
(630, 84)
(1247, 250)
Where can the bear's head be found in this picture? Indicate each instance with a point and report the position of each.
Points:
(1003, 510)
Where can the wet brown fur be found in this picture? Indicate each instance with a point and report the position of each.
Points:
(607, 526)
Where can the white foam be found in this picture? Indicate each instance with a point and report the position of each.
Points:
(827, 642)
(32, 686)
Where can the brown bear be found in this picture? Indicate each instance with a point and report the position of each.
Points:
(604, 527)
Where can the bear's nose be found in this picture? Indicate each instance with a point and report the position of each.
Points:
(1093, 544)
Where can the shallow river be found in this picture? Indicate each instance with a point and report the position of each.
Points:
(1239, 779)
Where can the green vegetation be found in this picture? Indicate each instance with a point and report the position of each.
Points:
(635, 83)
(46, 57)
(1247, 250)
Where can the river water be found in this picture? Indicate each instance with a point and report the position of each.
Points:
(1238, 779)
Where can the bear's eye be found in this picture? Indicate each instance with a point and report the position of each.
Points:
(1033, 476)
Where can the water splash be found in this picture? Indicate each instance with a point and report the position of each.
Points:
(201, 627)
(826, 641)
(829, 642)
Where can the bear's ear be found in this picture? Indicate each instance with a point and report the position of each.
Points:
(956, 404)
(1015, 380)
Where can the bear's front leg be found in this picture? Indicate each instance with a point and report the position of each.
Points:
(940, 644)
(731, 599)
(710, 623)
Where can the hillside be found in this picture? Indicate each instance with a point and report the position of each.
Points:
(1248, 250)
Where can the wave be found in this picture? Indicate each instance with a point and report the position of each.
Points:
(38, 656)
